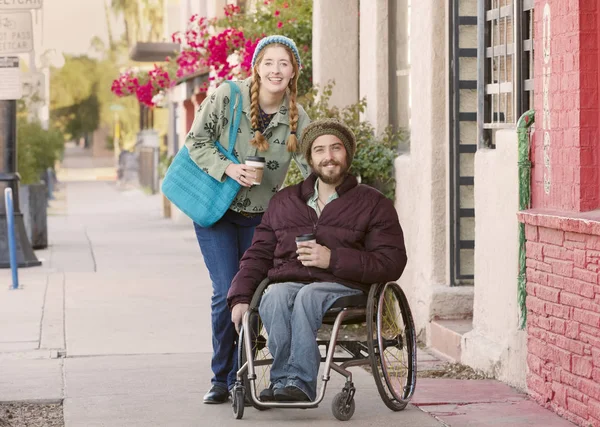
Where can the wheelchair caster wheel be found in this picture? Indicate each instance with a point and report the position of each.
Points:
(238, 397)
(342, 408)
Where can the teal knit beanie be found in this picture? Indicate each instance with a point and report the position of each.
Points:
(276, 39)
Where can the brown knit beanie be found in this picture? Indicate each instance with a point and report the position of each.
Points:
(328, 127)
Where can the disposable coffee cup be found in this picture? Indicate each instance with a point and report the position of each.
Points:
(257, 163)
(305, 238)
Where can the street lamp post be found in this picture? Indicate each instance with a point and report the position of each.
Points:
(10, 178)
(17, 31)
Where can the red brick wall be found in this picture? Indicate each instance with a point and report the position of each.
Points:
(563, 322)
(563, 229)
(572, 101)
(589, 178)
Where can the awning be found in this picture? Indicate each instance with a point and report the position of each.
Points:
(153, 52)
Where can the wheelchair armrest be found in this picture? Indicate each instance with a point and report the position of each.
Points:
(258, 294)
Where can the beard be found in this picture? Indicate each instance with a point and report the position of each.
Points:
(331, 179)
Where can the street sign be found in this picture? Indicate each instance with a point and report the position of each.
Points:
(10, 78)
(16, 32)
(33, 85)
(20, 4)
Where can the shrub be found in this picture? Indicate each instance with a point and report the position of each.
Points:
(37, 150)
(374, 158)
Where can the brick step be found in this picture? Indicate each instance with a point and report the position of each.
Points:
(446, 336)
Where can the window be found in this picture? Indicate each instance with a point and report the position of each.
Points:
(505, 52)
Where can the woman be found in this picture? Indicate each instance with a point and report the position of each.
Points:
(271, 121)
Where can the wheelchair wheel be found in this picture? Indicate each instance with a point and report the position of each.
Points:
(392, 345)
(238, 402)
(342, 407)
(262, 356)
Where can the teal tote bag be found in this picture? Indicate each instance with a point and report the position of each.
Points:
(197, 194)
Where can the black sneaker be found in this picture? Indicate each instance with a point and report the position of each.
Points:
(267, 395)
(290, 394)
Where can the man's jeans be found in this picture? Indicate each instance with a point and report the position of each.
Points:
(222, 247)
(292, 313)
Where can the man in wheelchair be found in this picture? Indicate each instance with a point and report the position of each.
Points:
(357, 242)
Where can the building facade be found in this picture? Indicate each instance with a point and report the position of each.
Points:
(563, 226)
(184, 99)
(475, 69)
(418, 66)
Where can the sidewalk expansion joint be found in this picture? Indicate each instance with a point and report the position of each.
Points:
(40, 354)
(434, 416)
(474, 402)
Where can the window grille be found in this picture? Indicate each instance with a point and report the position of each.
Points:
(505, 53)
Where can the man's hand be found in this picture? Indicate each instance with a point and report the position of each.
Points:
(237, 314)
(313, 255)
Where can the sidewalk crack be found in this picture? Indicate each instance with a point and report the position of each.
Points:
(91, 248)
(64, 310)
(39, 346)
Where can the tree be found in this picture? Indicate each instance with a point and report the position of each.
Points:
(138, 16)
(130, 11)
(154, 18)
(74, 108)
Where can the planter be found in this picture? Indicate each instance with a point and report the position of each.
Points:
(166, 207)
(33, 203)
(166, 203)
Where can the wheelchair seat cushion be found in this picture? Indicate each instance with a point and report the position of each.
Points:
(359, 300)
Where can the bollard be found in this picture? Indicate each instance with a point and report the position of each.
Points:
(12, 245)
(50, 183)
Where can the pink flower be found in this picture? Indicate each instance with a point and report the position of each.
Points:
(279, 24)
(276, 13)
(286, 5)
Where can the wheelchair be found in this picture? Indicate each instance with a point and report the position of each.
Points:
(388, 348)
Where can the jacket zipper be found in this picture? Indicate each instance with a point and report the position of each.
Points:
(311, 211)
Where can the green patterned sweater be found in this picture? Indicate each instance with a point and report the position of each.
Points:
(212, 123)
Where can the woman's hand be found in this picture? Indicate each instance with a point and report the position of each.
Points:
(243, 174)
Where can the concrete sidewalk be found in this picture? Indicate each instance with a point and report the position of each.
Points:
(115, 324)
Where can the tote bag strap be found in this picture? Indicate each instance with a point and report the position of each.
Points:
(235, 115)
(235, 123)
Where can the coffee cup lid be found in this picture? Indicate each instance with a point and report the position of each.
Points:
(255, 159)
(305, 237)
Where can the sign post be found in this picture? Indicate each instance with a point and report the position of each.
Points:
(16, 36)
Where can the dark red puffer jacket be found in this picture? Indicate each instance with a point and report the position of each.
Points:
(360, 228)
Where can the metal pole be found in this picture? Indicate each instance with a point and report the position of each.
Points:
(518, 58)
(12, 245)
(9, 178)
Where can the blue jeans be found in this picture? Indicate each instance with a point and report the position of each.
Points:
(292, 314)
(222, 247)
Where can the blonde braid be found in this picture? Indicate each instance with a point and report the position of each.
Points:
(292, 141)
(259, 141)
